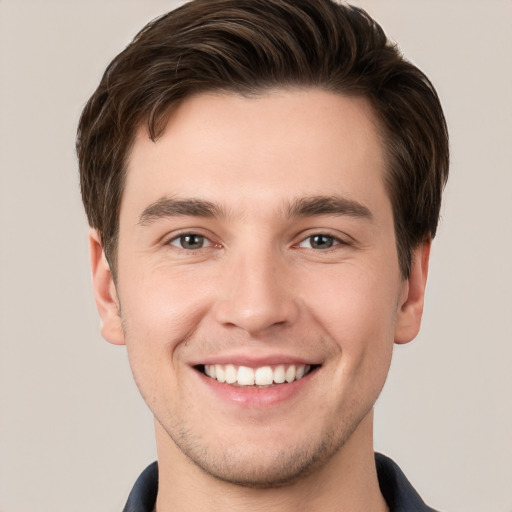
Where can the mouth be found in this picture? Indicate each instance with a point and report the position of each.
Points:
(260, 377)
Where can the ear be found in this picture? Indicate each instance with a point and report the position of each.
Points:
(105, 292)
(410, 310)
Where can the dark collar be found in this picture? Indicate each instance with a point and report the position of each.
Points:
(396, 489)
(143, 495)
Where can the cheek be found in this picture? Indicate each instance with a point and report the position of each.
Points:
(160, 312)
(357, 308)
(159, 315)
(162, 307)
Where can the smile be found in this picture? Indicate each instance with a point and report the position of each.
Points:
(261, 376)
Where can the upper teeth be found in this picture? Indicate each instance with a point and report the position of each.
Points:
(262, 376)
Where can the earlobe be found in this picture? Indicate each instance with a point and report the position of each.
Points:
(411, 305)
(105, 292)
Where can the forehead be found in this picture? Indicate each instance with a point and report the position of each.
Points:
(282, 144)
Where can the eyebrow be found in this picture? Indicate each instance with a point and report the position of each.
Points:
(302, 207)
(169, 207)
(328, 205)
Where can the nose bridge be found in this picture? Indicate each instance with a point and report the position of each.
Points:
(258, 295)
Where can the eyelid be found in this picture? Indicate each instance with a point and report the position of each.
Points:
(340, 238)
(336, 242)
(208, 242)
(167, 240)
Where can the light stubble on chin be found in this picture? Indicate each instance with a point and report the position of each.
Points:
(242, 468)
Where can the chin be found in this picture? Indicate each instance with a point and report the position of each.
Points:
(244, 470)
(262, 465)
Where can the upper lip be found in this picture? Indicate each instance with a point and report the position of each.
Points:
(253, 360)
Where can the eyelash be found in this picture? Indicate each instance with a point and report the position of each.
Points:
(333, 240)
(178, 241)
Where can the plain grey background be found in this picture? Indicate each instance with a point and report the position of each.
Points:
(74, 433)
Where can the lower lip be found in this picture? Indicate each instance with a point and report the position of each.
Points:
(256, 397)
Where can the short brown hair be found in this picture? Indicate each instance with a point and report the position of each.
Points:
(250, 46)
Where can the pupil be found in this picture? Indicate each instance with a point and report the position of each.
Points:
(321, 242)
(191, 241)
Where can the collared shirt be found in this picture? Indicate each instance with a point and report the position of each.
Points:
(396, 489)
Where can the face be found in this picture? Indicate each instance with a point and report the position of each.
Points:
(258, 290)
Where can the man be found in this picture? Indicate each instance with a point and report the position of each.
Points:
(263, 181)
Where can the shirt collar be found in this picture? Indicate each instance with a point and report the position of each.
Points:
(396, 489)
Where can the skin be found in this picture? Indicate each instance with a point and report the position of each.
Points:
(255, 287)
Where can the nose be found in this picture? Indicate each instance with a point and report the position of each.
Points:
(257, 293)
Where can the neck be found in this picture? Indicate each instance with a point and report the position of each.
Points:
(348, 481)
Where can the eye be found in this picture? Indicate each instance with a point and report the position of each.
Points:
(319, 241)
(190, 242)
